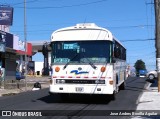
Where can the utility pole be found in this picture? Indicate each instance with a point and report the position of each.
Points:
(46, 65)
(25, 40)
(157, 43)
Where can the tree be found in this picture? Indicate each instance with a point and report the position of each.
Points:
(139, 65)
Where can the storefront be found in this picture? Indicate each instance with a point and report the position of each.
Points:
(21, 58)
(11, 51)
(2, 60)
(9, 64)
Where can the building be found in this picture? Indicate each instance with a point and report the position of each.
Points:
(37, 46)
(11, 51)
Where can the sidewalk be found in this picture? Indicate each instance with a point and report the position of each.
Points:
(148, 104)
(150, 98)
(44, 81)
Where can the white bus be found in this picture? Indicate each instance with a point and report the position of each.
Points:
(86, 59)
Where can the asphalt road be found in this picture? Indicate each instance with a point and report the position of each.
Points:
(76, 107)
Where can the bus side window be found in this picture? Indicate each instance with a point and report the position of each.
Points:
(117, 51)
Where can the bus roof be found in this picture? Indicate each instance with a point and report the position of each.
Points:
(82, 31)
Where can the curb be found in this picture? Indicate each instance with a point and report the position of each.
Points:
(146, 87)
(10, 92)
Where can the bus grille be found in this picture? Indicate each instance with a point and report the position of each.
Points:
(72, 81)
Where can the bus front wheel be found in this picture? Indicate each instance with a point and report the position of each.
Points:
(122, 86)
(112, 96)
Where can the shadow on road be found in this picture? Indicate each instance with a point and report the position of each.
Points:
(134, 88)
(75, 98)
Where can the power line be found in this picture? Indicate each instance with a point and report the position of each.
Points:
(136, 26)
(105, 27)
(31, 1)
(65, 6)
(138, 40)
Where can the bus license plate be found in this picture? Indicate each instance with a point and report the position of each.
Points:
(79, 89)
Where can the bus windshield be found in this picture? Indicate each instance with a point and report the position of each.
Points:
(81, 51)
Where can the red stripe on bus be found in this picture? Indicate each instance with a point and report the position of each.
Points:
(85, 76)
(94, 76)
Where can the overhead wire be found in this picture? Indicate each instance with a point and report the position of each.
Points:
(138, 40)
(31, 1)
(65, 6)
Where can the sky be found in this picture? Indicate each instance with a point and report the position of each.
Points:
(131, 21)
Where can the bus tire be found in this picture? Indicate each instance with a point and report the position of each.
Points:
(122, 86)
(112, 96)
(117, 87)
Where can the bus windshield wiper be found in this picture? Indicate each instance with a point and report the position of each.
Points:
(90, 62)
(70, 61)
(93, 66)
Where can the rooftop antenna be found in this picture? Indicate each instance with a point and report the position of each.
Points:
(84, 21)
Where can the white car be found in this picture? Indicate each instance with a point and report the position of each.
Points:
(152, 74)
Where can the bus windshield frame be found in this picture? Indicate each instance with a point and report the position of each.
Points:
(80, 52)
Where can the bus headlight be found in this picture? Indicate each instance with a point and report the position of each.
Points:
(60, 81)
(96, 81)
(99, 81)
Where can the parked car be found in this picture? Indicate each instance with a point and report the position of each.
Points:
(19, 76)
(152, 74)
(142, 73)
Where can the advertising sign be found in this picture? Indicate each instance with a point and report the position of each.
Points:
(6, 15)
(7, 38)
(21, 45)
